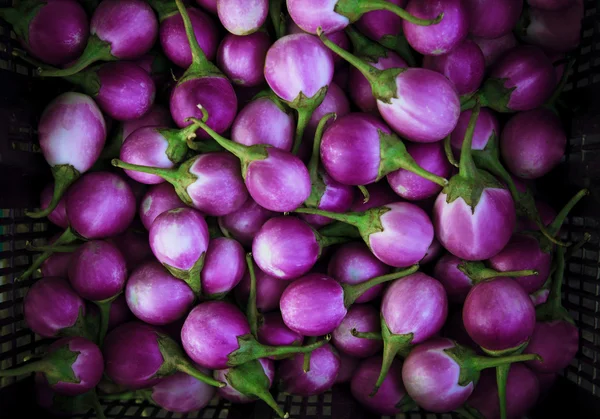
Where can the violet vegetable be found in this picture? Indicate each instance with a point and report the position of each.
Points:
(273, 331)
(72, 366)
(533, 143)
(119, 312)
(440, 374)
(146, 290)
(242, 17)
(301, 83)
(59, 215)
(413, 310)
(398, 234)
(339, 38)
(242, 58)
(56, 265)
(208, 5)
(54, 32)
(224, 267)
(444, 36)
(335, 15)
(217, 335)
(244, 223)
(474, 215)
(265, 120)
(268, 291)
(158, 199)
(391, 399)
(401, 100)
(493, 18)
(119, 30)
(134, 245)
(495, 48)
(287, 247)
(379, 193)
(335, 102)
(362, 318)
(348, 366)
(71, 148)
(324, 367)
(353, 263)
(316, 304)
(435, 249)
(464, 65)
(137, 355)
(179, 240)
(98, 273)
(202, 83)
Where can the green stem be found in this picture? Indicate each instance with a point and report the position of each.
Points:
(392, 345)
(167, 174)
(555, 226)
(340, 229)
(64, 176)
(313, 164)
(364, 47)
(31, 367)
(448, 150)
(52, 248)
(368, 6)
(304, 115)
(95, 50)
(276, 15)
(478, 272)
(467, 166)
(98, 408)
(326, 241)
(501, 379)
(365, 193)
(186, 366)
(577, 246)
(306, 363)
(349, 218)
(251, 310)
(250, 349)
(366, 335)
(353, 292)
(399, 45)
(199, 60)
(483, 362)
(561, 85)
(394, 156)
(104, 307)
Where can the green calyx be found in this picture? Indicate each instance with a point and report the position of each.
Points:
(95, 50)
(174, 360)
(269, 94)
(305, 106)
(394, 156)
(181, 141)
(20, 17)
(493, 94)
(392, 345)
(64, 176)
(190, 276)
(478, 272)
(318, 186)
(553, 309)
(250, 380)
(383, 82)
(400, 46)
(85, 326)
(364, 48)
(87, 80)
(355, 9)
(250, 349)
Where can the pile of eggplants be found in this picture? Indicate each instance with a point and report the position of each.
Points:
(256, 197)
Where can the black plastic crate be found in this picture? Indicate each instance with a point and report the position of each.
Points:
(23, 173)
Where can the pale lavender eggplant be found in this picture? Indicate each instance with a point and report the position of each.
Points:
(380, 23)
(339, 38)
(435, 248)
(175, 43)
(335, 101)
(495, 48)
(44, 316)
(134, 245)
(413, 187)
(209, 5)
(348, 366)
(524, 252)
(464, 65)
(224, 266)
(487, 125)
(268, 291)
(157, 116)
(98, 270)
(499, 315)
(324, 368)
(533, 143)
(456, 283)
(557, 342)
(146, 290)
(289, 77)
(380, 194)
(233, 395)
(493, 18)
(146, 146)
(182, 393)
(100, 205)
(264, 121)
(273, 331)
(120, 30)
(242, 58)
(286, 247)
(363, 318)
(59, 215)
(556, 30)
(442, 37)
(242, 17)
(313, 305)
(391, 398)
(158, 199)
(245, 223)
(353, 263)
(56, 265)
(336, 198)
(119, 312)
(55, 34)
(359, 88)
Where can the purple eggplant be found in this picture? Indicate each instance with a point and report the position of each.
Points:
(380, 194)
(348, 366)
(224, 267)
(157, 116)
(335, 102)
(72, 133)
(54, 32)
(146, 290)
(533, 143)
(216, 335)
(119, 312)
(440, 38)
(179, 240)
(316, 304)
(300, 82)
(554, 30)
(434, 251)
(56, 265)
(134, 245)
(242, 58)
(273, 331)
(338, 37)
(208, 5)
(399, 92)
(137, 355)
(120, 30)
(72, 366)
(246, 222)
(98, 273)
(158, 199)
(242, 17)
(493, 18)
(202, 84)
(324, 367)
(59, 215)
(391, 399)
(440, 374)
(360, 319)
(268, 291)
(335, 15)
(464, 65)
(495, 48)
